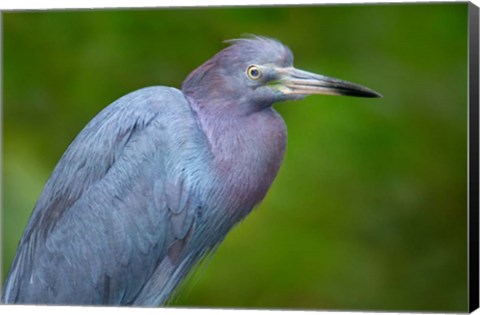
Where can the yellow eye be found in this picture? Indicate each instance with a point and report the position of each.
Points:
(253, 72)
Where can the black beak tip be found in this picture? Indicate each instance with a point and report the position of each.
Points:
(373, 94)
(364, 92)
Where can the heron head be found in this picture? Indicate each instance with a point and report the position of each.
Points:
(256, 72)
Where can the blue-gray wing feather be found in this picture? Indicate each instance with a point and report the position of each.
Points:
(116, 207)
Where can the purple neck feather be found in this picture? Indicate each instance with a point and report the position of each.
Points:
(247, 150)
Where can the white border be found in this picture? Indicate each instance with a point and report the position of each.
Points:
(81, 310)
(89, 4)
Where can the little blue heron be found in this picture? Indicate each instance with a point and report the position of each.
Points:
(158, 178)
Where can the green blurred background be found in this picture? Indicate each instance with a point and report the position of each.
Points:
(369, 208)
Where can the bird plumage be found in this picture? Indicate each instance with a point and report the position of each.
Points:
(118, 220)
(121, 204)
(157, 179)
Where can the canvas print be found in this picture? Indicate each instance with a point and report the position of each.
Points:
(296, 157)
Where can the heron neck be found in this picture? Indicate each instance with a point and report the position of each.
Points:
(247, 152)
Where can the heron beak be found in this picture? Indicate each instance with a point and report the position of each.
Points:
(298, 82)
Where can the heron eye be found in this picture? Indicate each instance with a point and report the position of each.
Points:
(253, 72)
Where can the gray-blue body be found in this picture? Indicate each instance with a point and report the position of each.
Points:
(155, 182)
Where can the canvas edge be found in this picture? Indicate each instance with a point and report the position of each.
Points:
(473, 95)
